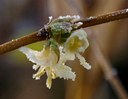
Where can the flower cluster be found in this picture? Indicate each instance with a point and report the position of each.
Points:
(66, 43)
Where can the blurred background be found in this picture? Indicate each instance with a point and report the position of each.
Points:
(21, 17)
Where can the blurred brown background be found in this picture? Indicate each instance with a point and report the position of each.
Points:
(21, 17)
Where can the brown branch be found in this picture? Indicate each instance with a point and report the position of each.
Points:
(91, 21)
(25, 40)
(96, 20)
(109, 72)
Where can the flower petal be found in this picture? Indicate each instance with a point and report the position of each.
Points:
(31, 55)
(49, 80)
(40, 72)
(77, 42)
(35, 67)
(83, 61)
(64, 56)
(64, 72)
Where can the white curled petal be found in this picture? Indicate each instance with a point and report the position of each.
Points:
(77, 42)
(36, 78)
(82, 35)
(70, 56)
(35, 67)
(40, 72)
(85, 46)
(31, 55)
(83, 61)
(49, 80)
(64, 72)
(49, 83)
(66, 56)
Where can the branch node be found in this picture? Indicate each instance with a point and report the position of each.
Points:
(110, 74)
(44, 33)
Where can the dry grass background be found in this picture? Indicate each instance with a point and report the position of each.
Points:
(109, 38)
(112, 38)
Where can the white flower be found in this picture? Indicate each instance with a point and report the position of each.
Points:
(75, 44)
(47, 61)
(65, 43)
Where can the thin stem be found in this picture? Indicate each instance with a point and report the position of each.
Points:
(91, 21)
(109, 72)
(25, 40)
(96, 20)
